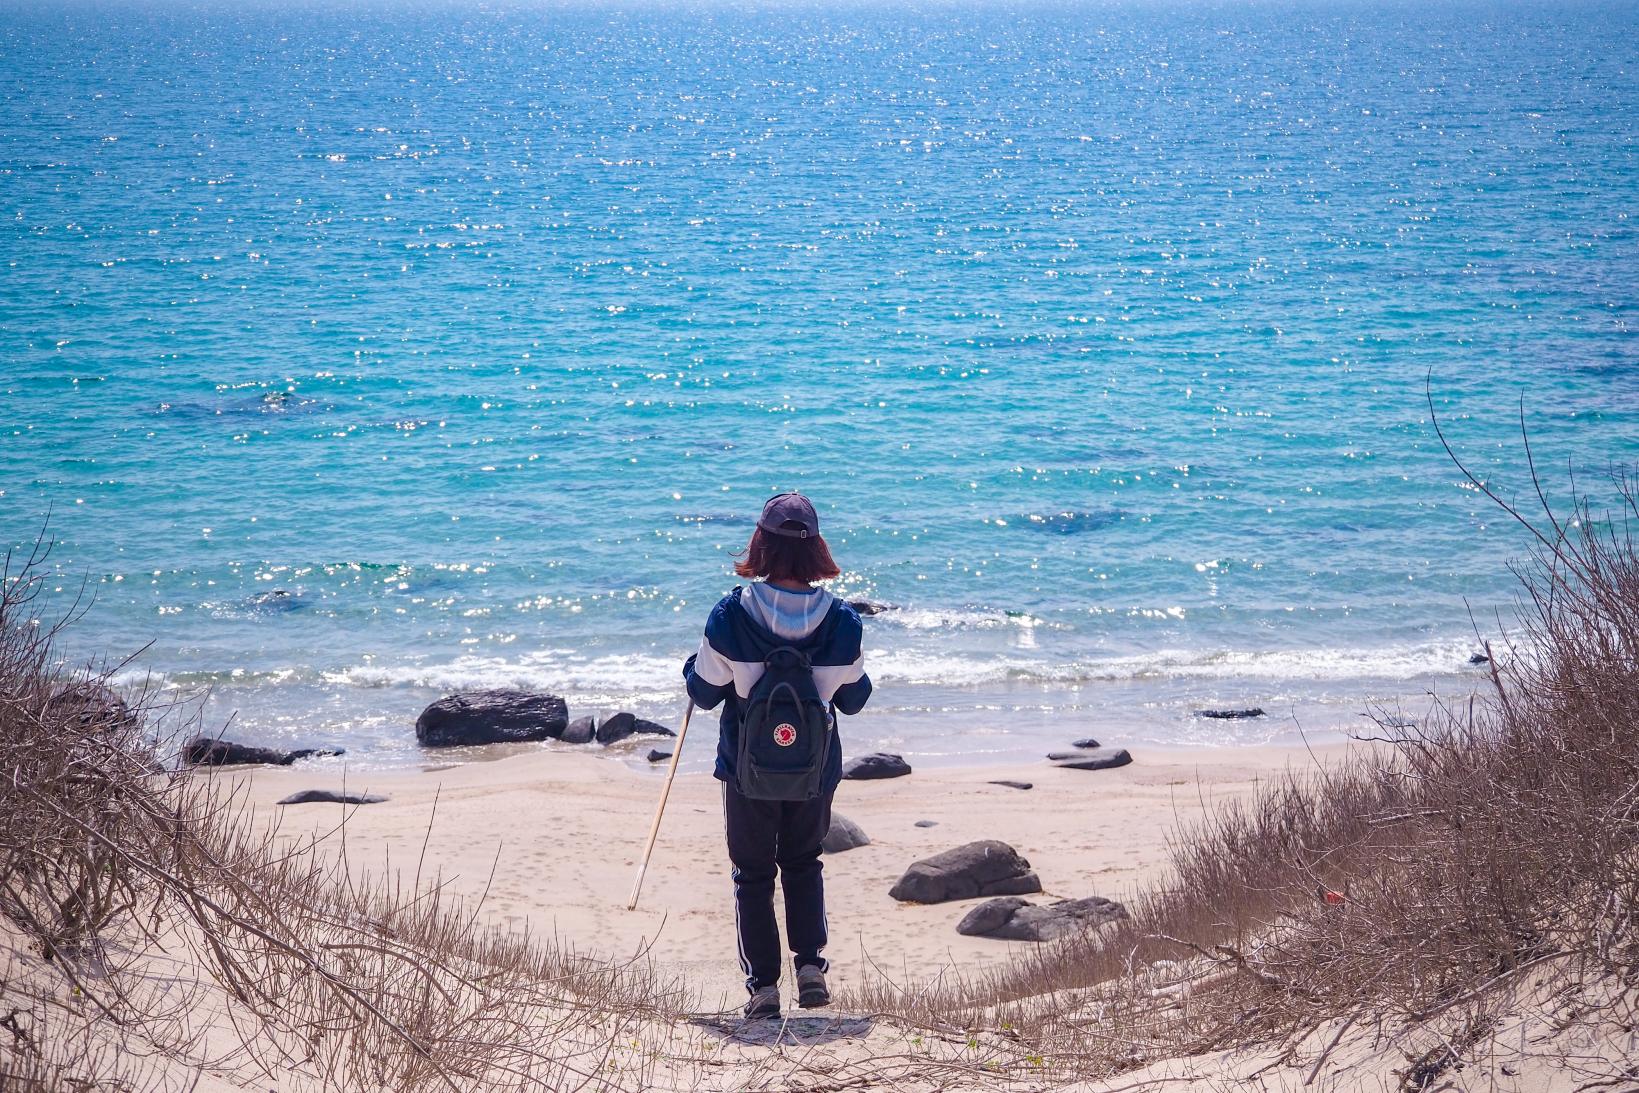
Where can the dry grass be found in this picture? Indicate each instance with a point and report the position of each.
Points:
(157, 922)
(1494, 844)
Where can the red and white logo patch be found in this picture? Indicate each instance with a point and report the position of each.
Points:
(785, 735)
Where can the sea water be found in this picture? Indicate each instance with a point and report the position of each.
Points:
(360, 354)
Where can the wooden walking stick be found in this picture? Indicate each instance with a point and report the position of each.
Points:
(660, 809)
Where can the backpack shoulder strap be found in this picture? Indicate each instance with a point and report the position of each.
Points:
(784, 656)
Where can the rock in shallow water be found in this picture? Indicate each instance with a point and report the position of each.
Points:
(93, 706)
(1226, 715)
(491, 717)
(985, 868)
(209, 752)
(582, 730)
(879, 764)
(1014, 919)
(843, 835)
(1091, 759)
(1086, 742)
(1073, 523)
(328, 796)
(277, 600)
(617, 727)
(658, 756)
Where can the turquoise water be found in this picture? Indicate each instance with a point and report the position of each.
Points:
(1100, 336)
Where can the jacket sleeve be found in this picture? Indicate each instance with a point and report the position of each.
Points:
(851, 696)
(707, 673)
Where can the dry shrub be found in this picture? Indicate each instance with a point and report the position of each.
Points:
(1414, 883)
(152, 920)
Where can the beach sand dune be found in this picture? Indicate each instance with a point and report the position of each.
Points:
(552, 839)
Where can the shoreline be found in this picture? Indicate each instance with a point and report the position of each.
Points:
(554, 840)
(930, 727)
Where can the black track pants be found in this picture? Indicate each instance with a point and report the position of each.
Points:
(765, 838)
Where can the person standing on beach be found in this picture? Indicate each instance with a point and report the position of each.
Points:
(747, 633)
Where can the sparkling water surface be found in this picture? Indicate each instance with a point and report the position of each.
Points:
(362, 354)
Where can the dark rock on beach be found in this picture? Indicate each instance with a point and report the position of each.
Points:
(927, 823)
(991, 916)
(1014, 785)
(491, 717)
(332, 797)
(658, 756)
(1014, 919)
(1086, 742)
(93, 707)
(582, 730)
(984, 868)
(209, 752)
(1253, 711)
(843, 835)
(617, 727)
(879, 764)
(1091, 759)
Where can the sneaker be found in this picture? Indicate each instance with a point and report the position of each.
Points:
(812, 993)
(765, 1002)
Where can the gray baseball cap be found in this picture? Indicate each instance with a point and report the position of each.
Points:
(790, 508)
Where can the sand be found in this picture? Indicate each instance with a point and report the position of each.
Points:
(554, 837)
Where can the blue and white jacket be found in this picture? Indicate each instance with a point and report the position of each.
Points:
(749, 623)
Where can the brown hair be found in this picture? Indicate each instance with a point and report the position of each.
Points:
(778, 558)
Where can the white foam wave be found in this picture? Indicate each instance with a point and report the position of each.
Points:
(653, 677)
(1399, 663)
(924, 618)
(612, 675)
